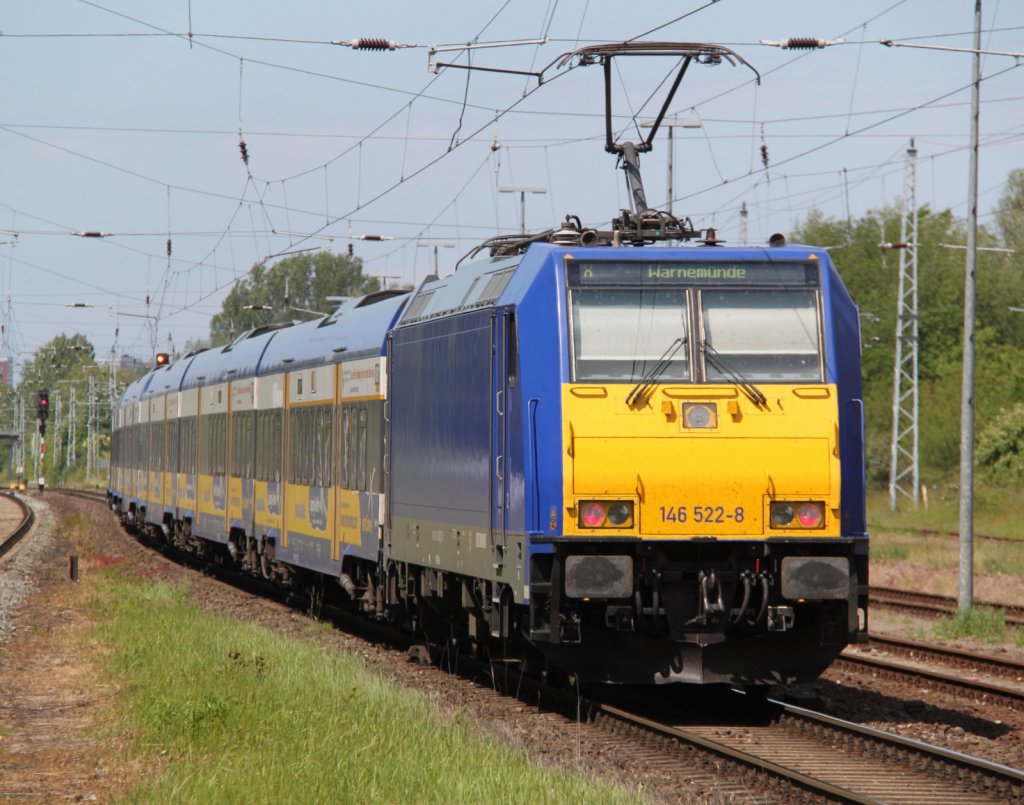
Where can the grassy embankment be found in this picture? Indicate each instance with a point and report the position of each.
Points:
(897, 537)
(231, 712)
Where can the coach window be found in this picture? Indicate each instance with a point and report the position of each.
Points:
(325, 444)
(156, 451)
(277, 436)
(361, 457)
(348, 430)
(375, 446)
(619, 335)
(294, 444)
(171, 458)
(188, 444)
(262, 436)
(763, 335)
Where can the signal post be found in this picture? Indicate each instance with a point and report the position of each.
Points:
(42, 412)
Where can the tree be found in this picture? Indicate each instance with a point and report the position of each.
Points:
(61, 362)
(309, 279)
(61, 358)
(872, 277)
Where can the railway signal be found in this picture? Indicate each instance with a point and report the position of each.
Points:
(42, 413)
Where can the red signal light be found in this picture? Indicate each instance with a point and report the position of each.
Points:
(162, 359)
(592, 514)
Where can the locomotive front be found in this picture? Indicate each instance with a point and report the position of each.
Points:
(712, 527)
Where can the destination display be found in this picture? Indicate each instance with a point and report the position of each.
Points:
(649, 273)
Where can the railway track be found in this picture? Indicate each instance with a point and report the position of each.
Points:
(969, 661)
(960, 679)
(86, 494)
(24, 520)
(764, 750)
(938, 532)
(828, 758)
(931, 605)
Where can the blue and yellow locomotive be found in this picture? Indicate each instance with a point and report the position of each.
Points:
(643, 462)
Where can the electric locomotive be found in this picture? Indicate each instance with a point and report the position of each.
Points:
(655, 453)
(643, 463)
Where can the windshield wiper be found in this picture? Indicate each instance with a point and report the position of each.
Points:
(712, 356)
(640, 390)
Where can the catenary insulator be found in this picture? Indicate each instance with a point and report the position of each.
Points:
(373, 44)
(803, 43)
(764, 155)
(245, 151)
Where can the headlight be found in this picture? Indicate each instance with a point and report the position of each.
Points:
(619, 514)
(801, 514)
(700, 415)
(606, 513)
(782, 515)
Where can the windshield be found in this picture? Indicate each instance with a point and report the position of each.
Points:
(621, 334)
(770, 336)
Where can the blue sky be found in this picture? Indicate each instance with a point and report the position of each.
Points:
(110, 123)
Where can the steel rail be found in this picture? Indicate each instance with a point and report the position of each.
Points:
(931, 604)
(28, 518)
(949, 682)
(1002, 666)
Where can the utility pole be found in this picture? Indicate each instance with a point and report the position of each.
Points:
(20, 425)
(72, 459)
(19, 461)
(966, 596)
(904, 473)
(522, 191)
(90, 433)
(671, 125)
(57, 422)
(427, 243)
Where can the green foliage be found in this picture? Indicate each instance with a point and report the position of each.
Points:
(309, 278)
(244, 714)
(1000, 448)
(872, 279)
(62, 362)
(61, 358)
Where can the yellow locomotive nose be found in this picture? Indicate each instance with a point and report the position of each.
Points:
(757, 471)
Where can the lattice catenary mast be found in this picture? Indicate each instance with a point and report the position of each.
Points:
(904, 475)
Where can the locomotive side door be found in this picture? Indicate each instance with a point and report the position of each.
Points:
(500, 342)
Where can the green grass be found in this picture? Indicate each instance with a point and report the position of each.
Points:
(896, 536)
(889, 552)
(996, 512)
(238, 713)
(980, 623)
(943, 551)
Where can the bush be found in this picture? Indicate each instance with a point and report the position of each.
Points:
(1000, 448)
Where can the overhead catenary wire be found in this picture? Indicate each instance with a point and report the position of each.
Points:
(287, 206)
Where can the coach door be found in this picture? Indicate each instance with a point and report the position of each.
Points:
(501, 340)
